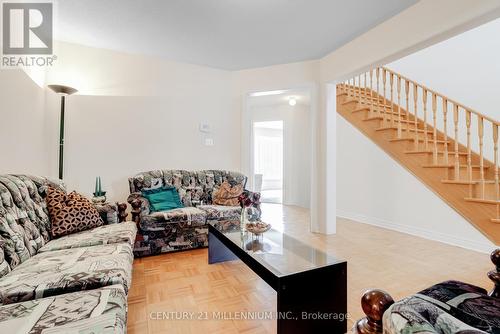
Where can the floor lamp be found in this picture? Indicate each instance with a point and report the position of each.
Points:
(63, 91)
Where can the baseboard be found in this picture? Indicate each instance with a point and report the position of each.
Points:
(423, 233)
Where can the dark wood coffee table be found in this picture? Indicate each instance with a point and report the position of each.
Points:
(311, 285)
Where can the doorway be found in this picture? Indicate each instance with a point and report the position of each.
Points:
(277, 147)
(268, 160)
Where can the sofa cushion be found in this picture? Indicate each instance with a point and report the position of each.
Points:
(70, 213)
(221, 212)
(188, 216)
(69, 270)
(102, 235)
(97, 311)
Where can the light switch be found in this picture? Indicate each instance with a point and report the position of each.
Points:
(204, 127)
(209, 142)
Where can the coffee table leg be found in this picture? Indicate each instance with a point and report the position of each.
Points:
(314, 301)
(217, 251)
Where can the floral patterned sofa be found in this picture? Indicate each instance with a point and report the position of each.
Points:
(183, 228)
(76, 283)
(446, 308)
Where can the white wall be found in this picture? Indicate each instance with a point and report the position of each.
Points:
(464, 68)
(373, 188)
(297, 148)
(22, 125)
(137, 113)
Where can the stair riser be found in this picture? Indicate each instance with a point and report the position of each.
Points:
(489, 191)
(429, 159)
(449, 174)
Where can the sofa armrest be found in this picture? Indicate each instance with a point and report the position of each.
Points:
(112, 213)
(140, 206)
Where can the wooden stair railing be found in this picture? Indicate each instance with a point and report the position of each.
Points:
(445, 130)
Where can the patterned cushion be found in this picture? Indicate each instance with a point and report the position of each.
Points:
(70, 213)
(188, 216)
(69, 270)
(97, 311)
(103, 235)
(448, 307)
(221, 212)
(226, 194)
(4, 265)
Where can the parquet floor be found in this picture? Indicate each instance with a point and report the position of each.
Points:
(184, 282)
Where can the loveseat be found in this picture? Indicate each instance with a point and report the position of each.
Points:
(76, 283)
(186, 227)
(449, 307)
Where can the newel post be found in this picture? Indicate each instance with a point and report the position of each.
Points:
(374, 303)
(494, 274)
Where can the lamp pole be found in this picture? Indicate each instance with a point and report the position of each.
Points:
(63, 91)
(61, 137)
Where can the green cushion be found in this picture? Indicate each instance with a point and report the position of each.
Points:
(163, 199)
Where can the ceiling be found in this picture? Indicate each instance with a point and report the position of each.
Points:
(225, 34)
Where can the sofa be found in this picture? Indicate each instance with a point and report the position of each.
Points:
(448, 307)
(76, 283)
(183, 228)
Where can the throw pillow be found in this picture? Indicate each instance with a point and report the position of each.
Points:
(70, 213)
(227, 195)
(163, 199)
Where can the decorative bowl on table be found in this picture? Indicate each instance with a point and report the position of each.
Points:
(257, 227)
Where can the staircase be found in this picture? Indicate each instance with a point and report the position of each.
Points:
(451, 148)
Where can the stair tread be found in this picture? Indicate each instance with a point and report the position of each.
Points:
(452, 166)
(466, 182)
(395, 128)
(430, 140)
(439, 152)
(481, 200)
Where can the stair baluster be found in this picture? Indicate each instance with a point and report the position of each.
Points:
(384, 78)
(407, 97)
(426, 137)
(457, 160)
(434, 132)
(497, 180)
(415, 117)
(400, 126)
(445, 130)
(469, 150)
(372, 110)
(391, 81)
(480, 126)
(377, 73)
(358, 89)
(365, 87)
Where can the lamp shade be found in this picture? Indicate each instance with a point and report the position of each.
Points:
(65, 90)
